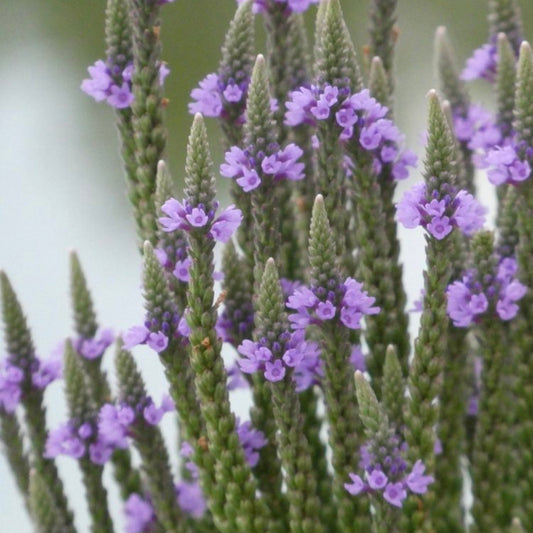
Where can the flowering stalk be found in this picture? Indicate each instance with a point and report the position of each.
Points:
(42, 505)
(522, 328)
(335, 66)
(430, 346)
(149, 442)
(455, 91)
(242, 511)
(338, 385)
(393, 388)
(147, 111)
(504, 17)
(86, 327)
(20, 346)
(383, 35)
(19, 462)
(82, 410)
(493, 449)
(175, 357)
(293, 446)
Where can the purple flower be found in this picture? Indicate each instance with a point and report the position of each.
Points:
(482, 64)
(283, 164)
(11, 377)
(462, 305)
(134, 336)
(100, 452)
(377, 479)
(471, 297)
(225, 224)
(416, 481)
(207, 96)
(64, 441)
(357, 358)
(439, 227)
(139, 514)
(47, 372)
(190, 498)
(356, 486)
(505, 166)
(478, 129)
(274, 371)
(248, 172)
(120, 97)
(440, 214)
(157, 341)
(395, 493)
(251, 440)
(184, 216)
(153, 414)
(95, 347)
(181, 269)
(113, 424)
(293, 6)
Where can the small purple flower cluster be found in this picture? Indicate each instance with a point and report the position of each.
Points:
(444, 211)
(470, 297)
(388, 477)
(178, 266)
(238, 321)
(139, 514)
(477, 129)
(347, 301)
(291, 351)
(216, 98)
(93, 348)
(112, 84)
(247, 170)
(12, 378)
(482, 64)
(357, 116)
(505, 165)
(292, 6)
(100, 438)
(186, 217)
(252, 440)
(156, 335)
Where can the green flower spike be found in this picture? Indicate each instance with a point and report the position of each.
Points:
(147, 112)
(522, 327)
(335, 63)
(338, 384)
(119, 52)
(242, 511)
(505, 17)
(493, 445)
(294, 450)
(383, 35)
(150, 444)
(86, 326)
(431, 346)
(11, 437)
(393, 388)
(378, 83)
(19, 345)
(238, 56)
(170, 241)
(159, 302)
(379, 437)
(43, 510)
(83, 410)
(455, 91)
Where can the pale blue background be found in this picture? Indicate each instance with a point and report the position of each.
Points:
(61, 182)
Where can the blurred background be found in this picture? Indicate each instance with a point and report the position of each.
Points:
(61, 180)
